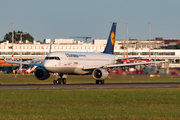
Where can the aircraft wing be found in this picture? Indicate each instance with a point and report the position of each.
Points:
(24, 63)
(130, 64)
(119, 65)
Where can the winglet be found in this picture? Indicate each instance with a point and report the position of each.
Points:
(111, 40)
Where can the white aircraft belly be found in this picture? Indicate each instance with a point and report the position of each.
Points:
(60, 69)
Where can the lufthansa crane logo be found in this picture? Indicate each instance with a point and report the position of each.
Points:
(112, 38)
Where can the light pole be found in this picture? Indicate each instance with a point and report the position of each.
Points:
(12, 44)
(21, 34)
(127, 39)
(12, 41)
(124, 41)
(149, 40)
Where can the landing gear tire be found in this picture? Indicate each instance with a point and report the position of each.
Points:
(64, 80)
(102, 81)
(97, 81)
(54, 81)
(59, 81)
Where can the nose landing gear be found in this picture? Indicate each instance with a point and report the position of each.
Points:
(60, 80)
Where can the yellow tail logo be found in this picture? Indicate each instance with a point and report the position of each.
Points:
(112, 38)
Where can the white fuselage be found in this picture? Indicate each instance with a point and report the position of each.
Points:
(73, 62)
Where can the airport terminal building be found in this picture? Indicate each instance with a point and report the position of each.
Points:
(132, 48)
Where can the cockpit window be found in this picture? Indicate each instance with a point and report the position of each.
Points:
(57, 58)
(52, 58)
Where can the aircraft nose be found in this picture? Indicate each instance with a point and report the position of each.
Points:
(46, 64)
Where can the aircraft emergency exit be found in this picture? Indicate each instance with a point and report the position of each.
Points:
(80, 63)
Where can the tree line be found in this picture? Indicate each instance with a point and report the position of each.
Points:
(177, 46)
(26, 36)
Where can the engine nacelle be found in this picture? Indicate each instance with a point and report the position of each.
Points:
(100, 74)
(41, 74)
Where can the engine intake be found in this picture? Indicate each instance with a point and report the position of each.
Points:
(41, 74)
(100, 74)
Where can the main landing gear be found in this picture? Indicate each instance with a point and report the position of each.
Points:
(99, 81)
(60, 80)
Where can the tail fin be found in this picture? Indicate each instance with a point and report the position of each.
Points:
(111, 40)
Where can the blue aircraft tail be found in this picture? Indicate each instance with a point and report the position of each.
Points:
(111, 40)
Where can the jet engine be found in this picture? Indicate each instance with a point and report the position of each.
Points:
(100, 74)
(41, 74)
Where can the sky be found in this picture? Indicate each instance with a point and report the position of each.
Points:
(69, 18)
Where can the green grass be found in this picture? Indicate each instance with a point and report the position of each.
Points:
(78, 104)
(71, 79)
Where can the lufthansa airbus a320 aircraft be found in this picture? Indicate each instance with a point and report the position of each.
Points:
(80, 63)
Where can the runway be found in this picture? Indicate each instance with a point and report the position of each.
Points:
(89, 86)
